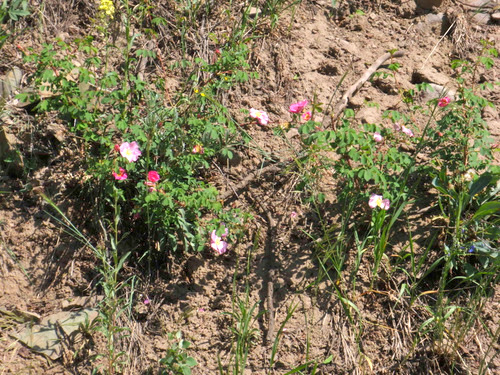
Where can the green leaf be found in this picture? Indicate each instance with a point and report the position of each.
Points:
(487, 209)
(480, 184)
(191, 362)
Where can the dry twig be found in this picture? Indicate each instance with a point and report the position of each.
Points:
(342, 104)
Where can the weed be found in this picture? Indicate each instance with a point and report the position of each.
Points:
(176, 360)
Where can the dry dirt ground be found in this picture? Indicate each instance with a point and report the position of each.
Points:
(305, 57)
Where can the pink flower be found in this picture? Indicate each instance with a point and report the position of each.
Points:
(147, 301)
(298, 107)
(117, 148)
(130, 151)
(217, 243)
(407, 131)
(198, 149)
(121, 175)
(444, 101)
(378, 201)
(306, 116)
(293, 214)
(377, 137)
(261, 116)
(153, 176)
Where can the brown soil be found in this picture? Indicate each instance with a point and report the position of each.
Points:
(306, 56)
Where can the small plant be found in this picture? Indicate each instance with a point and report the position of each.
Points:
(176, 359)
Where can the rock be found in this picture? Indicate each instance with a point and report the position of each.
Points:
(435, 92)
(433, 19)
(46, 338)
(10, 82)
(254, 12)
(430, 75)
(495, 17)
(349, 47)
(429, 4)
(481, 18)
(58, 131)
(9, 155)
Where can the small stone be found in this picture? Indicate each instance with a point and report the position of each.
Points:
(495, 17)
(58, 131)
(254, 12)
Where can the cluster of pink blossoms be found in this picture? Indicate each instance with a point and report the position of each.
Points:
(299, 108)
(129, 151)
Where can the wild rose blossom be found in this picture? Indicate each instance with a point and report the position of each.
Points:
(306, 116)
(198, 149)
(121, 175)
(130, 151)
(377, 137)
(217, 243)
(407, 131)
(379, 201)
(153, 176)
(261, 116)
(298, 107)
(444, 101)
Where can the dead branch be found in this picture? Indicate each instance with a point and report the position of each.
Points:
(342, 104)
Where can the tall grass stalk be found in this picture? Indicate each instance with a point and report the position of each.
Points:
(113, 305)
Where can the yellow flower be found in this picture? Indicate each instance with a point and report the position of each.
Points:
(107, 7)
